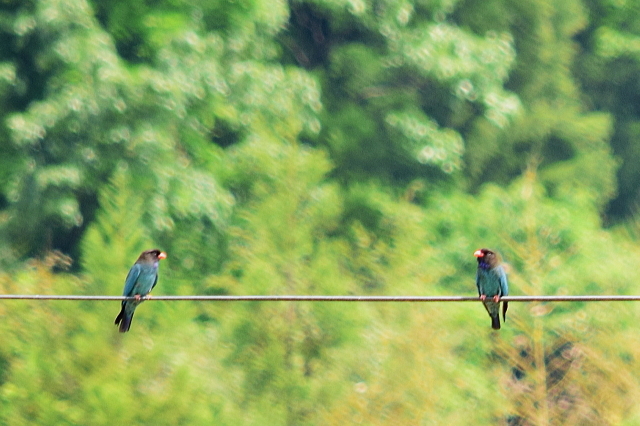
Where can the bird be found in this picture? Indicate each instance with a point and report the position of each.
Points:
(141, 279)
(491, 281)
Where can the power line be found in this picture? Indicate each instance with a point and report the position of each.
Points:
(303, 298)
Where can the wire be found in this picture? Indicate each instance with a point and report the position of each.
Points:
(296, 298)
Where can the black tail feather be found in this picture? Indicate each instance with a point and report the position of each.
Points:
(505, 306)
(125, 323)
(495, 322)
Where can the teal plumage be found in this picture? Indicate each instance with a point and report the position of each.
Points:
(141, 279)
(491, 281)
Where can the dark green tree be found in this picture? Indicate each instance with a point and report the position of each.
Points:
(606, 68)
(401, 84)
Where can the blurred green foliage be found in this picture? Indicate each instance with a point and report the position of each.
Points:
(319, 147)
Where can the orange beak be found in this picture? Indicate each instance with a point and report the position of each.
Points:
(162, 255)
(478, 253)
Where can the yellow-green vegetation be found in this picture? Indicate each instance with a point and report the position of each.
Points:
(320, 147)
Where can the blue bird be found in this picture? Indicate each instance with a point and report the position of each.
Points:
(491, 281)
(141, 279)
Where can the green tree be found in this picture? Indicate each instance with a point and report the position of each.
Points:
(549, 354)
(570, 140)
(606, 67)
(280, 244)
(199, 87)
(401, 84)
(65, 362)
(316, 147)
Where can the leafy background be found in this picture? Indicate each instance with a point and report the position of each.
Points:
(319, 147)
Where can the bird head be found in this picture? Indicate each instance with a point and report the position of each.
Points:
(487, 257)
(152, 256)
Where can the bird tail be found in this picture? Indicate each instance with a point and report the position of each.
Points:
(124, 320)
(495, 321)
(505, 306)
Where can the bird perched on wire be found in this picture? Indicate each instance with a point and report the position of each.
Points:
(142, 278)
(491, 281)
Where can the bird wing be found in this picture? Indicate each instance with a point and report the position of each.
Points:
(504, 290)
(478, 285)
(155, 281)
(504, 287)
(130, 282)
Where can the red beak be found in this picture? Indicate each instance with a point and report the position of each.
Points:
(162, 255)
(478, 253)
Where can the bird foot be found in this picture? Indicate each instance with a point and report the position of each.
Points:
(496, 298)
(137, 297)
(483, 297)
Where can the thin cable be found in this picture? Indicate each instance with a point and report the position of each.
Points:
(296, 298)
